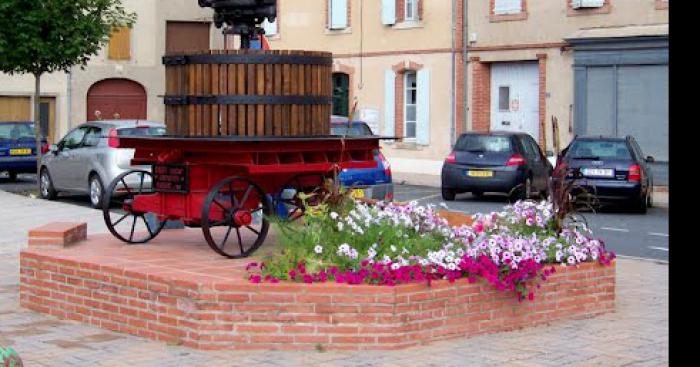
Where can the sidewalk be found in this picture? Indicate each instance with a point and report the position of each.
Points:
(635, 335)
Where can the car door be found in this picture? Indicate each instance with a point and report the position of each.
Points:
(84, 156)
(63, 166)
(537, 162)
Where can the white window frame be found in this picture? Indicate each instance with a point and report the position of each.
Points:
(406, 90)
(413, 8)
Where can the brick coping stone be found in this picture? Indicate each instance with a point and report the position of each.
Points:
(177, 290)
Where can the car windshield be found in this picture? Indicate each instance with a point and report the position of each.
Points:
(599, 149)
(484, 143)
(352, 130)
(142, 131)
(16, 131)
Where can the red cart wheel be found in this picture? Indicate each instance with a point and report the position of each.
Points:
(313, 184)
(234, 211)
(126, 224)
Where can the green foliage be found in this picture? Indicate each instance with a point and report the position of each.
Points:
(9, 358)
(43, 36)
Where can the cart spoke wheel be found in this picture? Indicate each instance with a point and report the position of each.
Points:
(308, 184)
(122, 221)
(232, 204)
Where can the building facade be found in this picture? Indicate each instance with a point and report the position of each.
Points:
(125, 80)
(597, 67)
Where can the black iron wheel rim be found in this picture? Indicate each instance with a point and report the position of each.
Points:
(227, 201)
(123, 199)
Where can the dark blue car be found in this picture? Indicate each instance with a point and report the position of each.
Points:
(17, 148)
(370, 183)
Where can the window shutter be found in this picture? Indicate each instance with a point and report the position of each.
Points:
(423, 107)
(508, 6)
(338, 14)
(120, 44)
(388, 12)
(389, 103)
(270, 28)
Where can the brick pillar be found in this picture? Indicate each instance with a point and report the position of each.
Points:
(481, 95)
(398, 103)
(542, 59)
(400, 10)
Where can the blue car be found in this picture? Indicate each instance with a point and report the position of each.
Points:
(370, 183)
(17, 148)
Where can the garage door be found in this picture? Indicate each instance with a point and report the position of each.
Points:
(631, 100)
(17, 108)
(116, 99)
(515, 98)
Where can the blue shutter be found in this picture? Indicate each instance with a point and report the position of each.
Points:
(338, 14)
(388, 12)
(270, 28)
(508, 6)
(423, 107)
(389, 95)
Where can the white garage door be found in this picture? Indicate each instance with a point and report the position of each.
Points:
(515, 98)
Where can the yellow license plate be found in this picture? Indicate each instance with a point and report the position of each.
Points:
(358, 194)
(24, 151)
(480, 173)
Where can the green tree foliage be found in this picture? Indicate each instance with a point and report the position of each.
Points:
(45, 36)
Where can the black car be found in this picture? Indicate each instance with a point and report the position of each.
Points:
(504, 162)
(609, 169)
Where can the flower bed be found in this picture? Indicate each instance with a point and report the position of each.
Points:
(389, 244)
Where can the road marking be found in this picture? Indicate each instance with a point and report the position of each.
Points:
(615, 229)
(658, 234)
(658, 248)
(426, 197)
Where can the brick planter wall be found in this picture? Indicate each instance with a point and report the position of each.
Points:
(115, 290)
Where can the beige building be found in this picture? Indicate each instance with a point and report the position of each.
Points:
(125, 80)
(596, 66)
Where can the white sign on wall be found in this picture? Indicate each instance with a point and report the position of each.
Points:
(371, 117)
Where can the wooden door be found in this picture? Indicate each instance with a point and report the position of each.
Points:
(116, 99)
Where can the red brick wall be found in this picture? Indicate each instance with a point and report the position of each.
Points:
(542, 60)
(481, 95)
(239, 315)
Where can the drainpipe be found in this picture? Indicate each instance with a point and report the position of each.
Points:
(453, 104)
(465, 64)
(69, 99)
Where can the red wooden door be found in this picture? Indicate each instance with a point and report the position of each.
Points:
(111, 99)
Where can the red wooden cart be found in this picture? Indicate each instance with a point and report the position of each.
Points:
(225, 185)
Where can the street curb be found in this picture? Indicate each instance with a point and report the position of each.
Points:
(660, 262)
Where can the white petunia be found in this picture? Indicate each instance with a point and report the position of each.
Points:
(318, 249)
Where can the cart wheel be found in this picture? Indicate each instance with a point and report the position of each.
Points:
(126, 224)
(309, 184)
(234, 211)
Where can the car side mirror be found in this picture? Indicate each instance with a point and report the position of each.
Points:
(650, 159)
(53, 148)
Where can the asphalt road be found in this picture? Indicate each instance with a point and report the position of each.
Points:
(628, 234)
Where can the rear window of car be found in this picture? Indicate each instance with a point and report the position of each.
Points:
(485, 143)
(12, 131)
(599, 149)
(141, 131)
(353, 130)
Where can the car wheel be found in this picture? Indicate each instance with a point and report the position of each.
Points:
(640, 205)
(96, 190)
(46, 189)
(448, 194)
(12, 176)
(650, 200)
(524, 192)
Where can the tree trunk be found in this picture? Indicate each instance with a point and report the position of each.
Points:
(37, 121)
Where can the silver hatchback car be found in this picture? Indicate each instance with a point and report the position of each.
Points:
(88, 158)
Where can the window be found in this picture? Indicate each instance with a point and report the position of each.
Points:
(341, 92)
(484, 143)
(411, 8)
(504, 98)
(337, 14)
(15, 131)
(92, 138)
(599, 149)
(270, 28)
(120, 44)
(74, 139)
(534, 148)
(507, 7)
(187, 37)
(410, 101)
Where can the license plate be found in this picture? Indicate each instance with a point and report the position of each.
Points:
(480, 173)
(22, 151)
(598, 172)
(358, 194)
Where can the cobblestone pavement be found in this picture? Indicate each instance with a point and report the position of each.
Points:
(635, 335)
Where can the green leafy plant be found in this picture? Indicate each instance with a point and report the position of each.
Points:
(9, 358)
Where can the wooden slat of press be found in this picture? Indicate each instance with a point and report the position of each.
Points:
(277, 120)
(231, 89)
(260, 109)
(206, 109)
(294, 125)
(308, 88)
(286, 90)
(302, 91)
(317, 91)
(191, 87)
(240, 89)
(250, 90)
(199, 89)
(214, 81)
(268, 130)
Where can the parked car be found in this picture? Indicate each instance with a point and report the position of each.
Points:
(88, 158)
(374, 183)
(17, 148)
(503, 162)
(610, 169)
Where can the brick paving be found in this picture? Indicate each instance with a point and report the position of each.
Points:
(635, 335)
